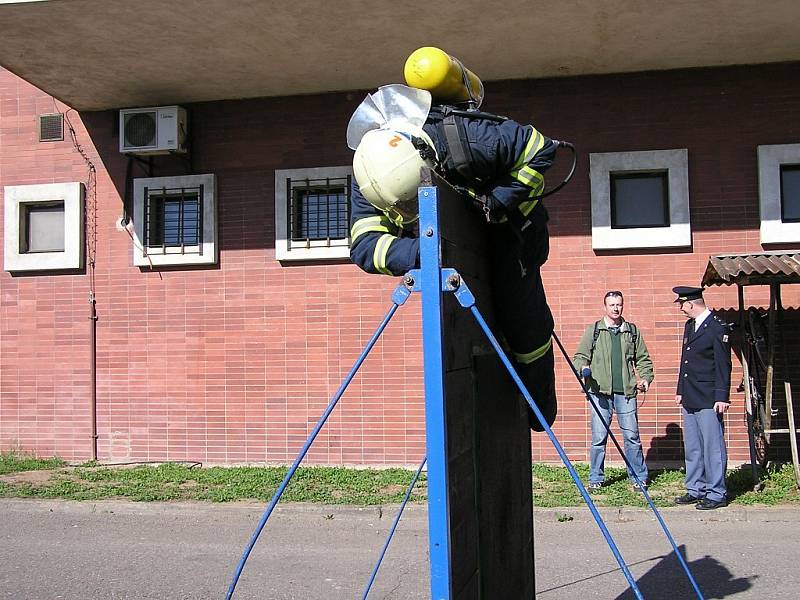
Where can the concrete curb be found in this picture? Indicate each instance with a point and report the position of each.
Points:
(758, 514)
(766, 514)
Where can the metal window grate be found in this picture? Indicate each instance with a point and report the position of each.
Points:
(51, 127)
(173, 218)
(318, 209)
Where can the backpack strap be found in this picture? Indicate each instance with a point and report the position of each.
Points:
(459, 157)
(595, 335)
(634, 338)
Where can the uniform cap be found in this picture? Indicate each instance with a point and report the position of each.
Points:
(686, 293)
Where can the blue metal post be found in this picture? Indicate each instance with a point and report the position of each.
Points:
(435, 425)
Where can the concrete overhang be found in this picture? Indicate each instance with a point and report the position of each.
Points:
(99, 54)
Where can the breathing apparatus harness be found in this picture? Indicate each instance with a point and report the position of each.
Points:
(458, 163)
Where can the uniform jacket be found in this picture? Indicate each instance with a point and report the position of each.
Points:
(507, 157)
(705, 373)
(633, 353)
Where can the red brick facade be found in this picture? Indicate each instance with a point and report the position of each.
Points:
(236, 363)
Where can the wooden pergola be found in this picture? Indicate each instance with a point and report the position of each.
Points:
(773, 269)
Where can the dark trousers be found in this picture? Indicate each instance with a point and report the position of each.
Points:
(706, 455)
(520, 304)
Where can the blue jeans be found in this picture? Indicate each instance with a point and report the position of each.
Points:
(628, 423)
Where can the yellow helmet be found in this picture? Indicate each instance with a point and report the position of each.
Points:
(387, 166)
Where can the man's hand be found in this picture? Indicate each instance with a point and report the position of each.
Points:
(642, 385)
(678, 399)
(721, 407)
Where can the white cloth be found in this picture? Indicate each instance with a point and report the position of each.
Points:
(698, 320)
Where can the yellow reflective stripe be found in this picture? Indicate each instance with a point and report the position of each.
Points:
(526, 207)
(529, 176)
(521, 171)
(395, 219)
(536, 354)
(381, 252)
(368, 224)
(535, 143)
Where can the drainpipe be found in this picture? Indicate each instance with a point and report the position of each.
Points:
(93, 370)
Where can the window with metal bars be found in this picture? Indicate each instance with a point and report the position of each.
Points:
(318, 209)
(173, 219)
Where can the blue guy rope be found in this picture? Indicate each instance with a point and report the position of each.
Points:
(398, 298)
(467, 300)
(631, 471)
(392, 530)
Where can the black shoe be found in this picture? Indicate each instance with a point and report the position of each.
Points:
(688, 499)
(539, 378)
(706, 504)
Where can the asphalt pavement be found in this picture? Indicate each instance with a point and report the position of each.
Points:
(122, 550)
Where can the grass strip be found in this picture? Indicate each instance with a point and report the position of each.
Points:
(23, 476)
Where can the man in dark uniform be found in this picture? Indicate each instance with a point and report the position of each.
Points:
(703, 394)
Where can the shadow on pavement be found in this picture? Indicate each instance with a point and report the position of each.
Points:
(667, 580)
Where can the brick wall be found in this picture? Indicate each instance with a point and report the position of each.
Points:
(236, 363)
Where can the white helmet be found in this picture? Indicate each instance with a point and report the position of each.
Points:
(387, 167)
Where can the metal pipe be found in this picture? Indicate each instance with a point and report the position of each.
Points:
(93, 369)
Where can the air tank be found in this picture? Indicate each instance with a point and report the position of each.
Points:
(444, 76)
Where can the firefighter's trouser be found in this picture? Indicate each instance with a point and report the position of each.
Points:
(520, 305)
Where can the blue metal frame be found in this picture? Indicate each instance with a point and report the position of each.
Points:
(435, 425)
(433, 280)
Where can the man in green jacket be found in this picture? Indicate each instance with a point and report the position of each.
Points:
(613, 358)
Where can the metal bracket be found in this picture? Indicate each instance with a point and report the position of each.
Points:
(451, 281)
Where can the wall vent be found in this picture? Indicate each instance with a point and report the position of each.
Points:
(51, 127)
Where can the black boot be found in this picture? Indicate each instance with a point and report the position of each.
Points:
(539, 378)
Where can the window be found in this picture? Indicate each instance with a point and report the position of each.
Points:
(640, 199)
(174, 221)
(312, 208)
(319, 209)
(790, 193)
(44, 227)
(779, 193)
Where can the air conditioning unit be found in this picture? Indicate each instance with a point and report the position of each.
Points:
(154, 130)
